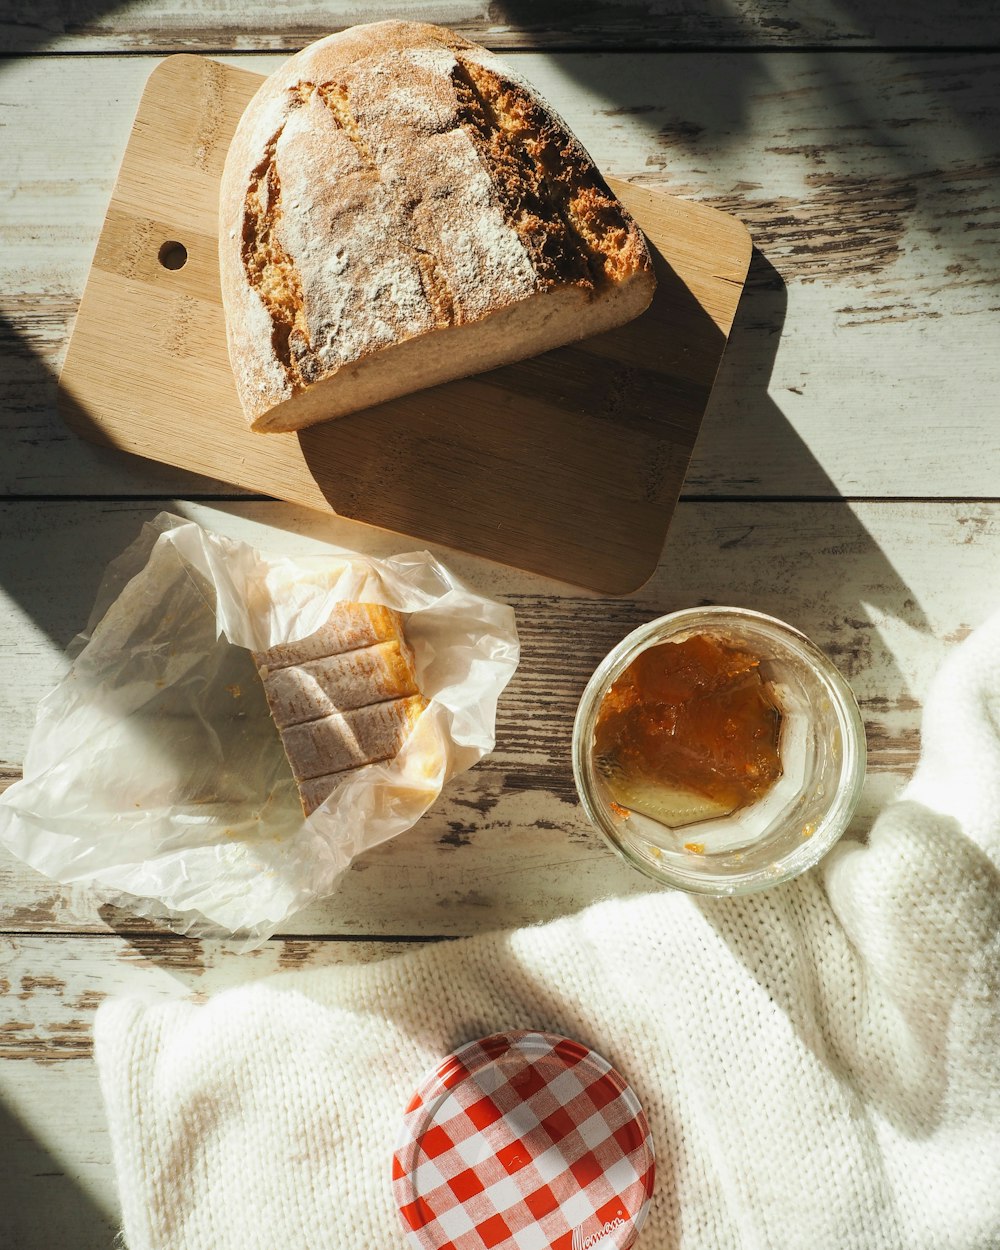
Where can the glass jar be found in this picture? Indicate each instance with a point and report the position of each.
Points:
(791, 825)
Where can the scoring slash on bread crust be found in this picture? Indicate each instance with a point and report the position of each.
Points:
(398, 208)
(343, 697)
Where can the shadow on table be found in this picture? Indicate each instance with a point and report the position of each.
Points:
(716, 24)
(567, 463)
(40, 1204)
(31, 24)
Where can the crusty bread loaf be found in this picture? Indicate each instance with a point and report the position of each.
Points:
(343, 697)
(399, 209)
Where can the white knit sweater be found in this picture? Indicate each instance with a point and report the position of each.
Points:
(820, 1063)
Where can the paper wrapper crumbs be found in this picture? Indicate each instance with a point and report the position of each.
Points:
(154, 769)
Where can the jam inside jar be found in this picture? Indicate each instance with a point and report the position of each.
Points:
(690, 730)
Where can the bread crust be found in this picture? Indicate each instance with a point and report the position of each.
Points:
(394, 182)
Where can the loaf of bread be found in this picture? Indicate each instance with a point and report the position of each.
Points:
(398, 209)
(344, 697)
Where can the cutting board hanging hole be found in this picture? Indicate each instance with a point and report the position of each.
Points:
(172, 255)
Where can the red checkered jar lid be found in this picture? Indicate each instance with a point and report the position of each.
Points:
(523, 1141)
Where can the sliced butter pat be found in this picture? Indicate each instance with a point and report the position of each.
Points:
(339, 683)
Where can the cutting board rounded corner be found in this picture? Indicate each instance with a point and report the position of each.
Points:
(741, 232)
(629, 584)
(177, 64)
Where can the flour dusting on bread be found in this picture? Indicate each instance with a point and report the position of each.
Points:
(389, 187)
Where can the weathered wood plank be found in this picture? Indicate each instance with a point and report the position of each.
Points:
(886, 589)
(186, 25)
(55, 1156)
(863, 361)
(51, 986)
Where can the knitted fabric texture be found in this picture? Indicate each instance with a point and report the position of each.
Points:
(820, 1063)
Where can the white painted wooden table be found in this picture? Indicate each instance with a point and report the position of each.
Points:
(847, 478)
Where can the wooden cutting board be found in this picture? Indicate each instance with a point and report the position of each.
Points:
(568, 464)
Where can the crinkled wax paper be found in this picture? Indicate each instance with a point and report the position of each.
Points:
(154, 769)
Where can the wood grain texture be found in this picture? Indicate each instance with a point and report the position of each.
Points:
(188, 26)
(497, 464)
(863, 360)
(886, 589)
(47, 1013)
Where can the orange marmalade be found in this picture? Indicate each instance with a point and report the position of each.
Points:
(688, 732)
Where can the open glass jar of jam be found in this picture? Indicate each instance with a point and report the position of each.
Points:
(719, 750)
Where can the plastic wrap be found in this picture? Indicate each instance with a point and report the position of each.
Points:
(154, 769)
